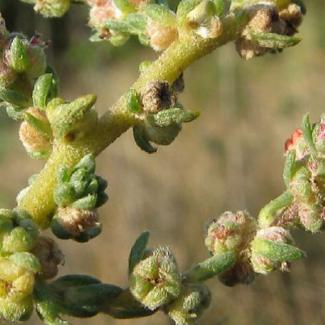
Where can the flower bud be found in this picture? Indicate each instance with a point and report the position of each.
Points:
(77, 224)
(7, 76)
(19, 233)
(16, 282)
(156, 96)
(272, 249)
(190, 304)
(230, 232)
(319, 135)
(312, 217)
(17, 311)
(155, 280)
(162, 135)
(52, 8)
(49, 255)
(37, 144)
(297, 142)
(160, 36)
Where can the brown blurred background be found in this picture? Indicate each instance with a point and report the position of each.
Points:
(230, 158)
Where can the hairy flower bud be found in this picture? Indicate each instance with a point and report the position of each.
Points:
(49, 255)
(190, 304)
(78, 224)
(160, 36)
(19, 311)
(230, 232)
(272, 249)
(297, 142)
(37, 144)
(155, 280)
(312, 217)
(52, 8)
(7, 76)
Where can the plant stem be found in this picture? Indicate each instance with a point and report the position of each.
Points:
(190, 47)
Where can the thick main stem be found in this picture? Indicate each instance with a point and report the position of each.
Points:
(39, 201)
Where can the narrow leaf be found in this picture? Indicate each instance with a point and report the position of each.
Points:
(280, 252)
(18, 55)
(268, 215)
(138, 249)
(274, 41)
(289, 167)
(307, 132)
(41, 90)
(173, 115)
(141, 140)
(14, 98)
(160, 14)
(213, 266)
(39, 125)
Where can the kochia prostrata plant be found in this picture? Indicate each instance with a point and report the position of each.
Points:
(65, 195)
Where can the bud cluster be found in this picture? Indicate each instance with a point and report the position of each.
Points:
(304, 174)
(78, 193)
(22, 61)
(18, 236)
(50, 8)
(161, 114)
(269, 29)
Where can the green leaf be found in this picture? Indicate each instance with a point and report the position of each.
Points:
(289, 167)
(55, 83)
(14, 112)
(220, 6)
(160, 14)
(86, 203)
(307, 132)
(171, 116)
(138, 249)
(41, 90)
(14, 98)
(88, 163)
(18, 53)
(141, 140)
(279, 252)
(213, 266)
(39, 125)
(26, 260)
(268, 214)
(274, 41)
(133, 101)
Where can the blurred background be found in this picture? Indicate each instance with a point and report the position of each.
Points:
(231, 158)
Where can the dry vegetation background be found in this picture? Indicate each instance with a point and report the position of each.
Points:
(230, 158)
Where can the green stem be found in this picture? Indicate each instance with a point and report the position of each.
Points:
(188, 48)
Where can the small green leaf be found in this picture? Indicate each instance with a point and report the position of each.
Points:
(268, 214)
(39, 125)
(161, 14)
(133, 101)
(289, 167)
(307, 132)
(213, 266)
(62, 174)
(279, 252)
(141, 139)
(86, 203)
(220, 6)
(14, 98)
(171, 116)
(41, 90)
(55, 84)
(18, 54)
(274, 41)
(88, 163)
(138, 249)
(14, 112)
(26, 260)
